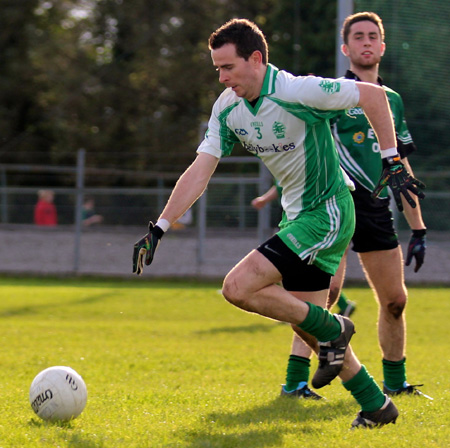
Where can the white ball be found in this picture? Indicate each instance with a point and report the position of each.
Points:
(58, 394)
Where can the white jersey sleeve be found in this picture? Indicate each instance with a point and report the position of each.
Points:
(324, 93)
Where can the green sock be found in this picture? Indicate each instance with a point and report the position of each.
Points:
(342, 301)
(297, 372)
(321, 323)
(365, 391)
(394, 373)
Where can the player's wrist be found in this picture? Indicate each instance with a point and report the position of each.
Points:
(390, 157)
(389, 152)
(163, 224)
(419, 233)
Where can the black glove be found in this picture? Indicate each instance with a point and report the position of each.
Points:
(146, 247)
(400, 181)
(416, 248)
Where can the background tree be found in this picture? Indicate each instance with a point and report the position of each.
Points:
(20, 114)
(132, 81)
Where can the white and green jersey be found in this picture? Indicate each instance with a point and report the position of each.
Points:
(288, 129)
(358, 147)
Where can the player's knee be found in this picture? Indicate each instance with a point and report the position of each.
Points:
(233, 294)
(396, 306)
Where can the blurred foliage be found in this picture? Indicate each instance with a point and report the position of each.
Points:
(132, 81)
(129, 81)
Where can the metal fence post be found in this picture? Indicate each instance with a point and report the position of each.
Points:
(201, 227)
(242, 206)
(81, 156)
(344, 9)
(160, 198)
(4, 197)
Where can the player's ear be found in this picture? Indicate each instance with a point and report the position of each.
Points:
(344, 50)
(383, 48)
(256, 57)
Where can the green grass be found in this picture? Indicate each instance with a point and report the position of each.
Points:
(175, 365)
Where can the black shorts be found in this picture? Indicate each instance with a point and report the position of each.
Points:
(297, 274)
(374, 228)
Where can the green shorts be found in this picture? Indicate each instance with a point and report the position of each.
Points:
(321, 235)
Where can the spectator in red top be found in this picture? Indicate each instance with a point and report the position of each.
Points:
(45, 210)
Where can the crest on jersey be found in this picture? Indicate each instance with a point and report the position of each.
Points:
(279, 129)
(359, 137)
(330, 87)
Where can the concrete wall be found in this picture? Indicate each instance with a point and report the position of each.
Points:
(108, 251)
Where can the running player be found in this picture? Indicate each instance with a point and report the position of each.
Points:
(284, 120)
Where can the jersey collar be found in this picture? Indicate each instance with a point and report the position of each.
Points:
(350, 75)
(268, 88)
(269, 80)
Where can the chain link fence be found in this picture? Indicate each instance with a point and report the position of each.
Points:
(222, 229)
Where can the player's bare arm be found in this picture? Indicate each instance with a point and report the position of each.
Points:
(417, 243)
(412, 215)
(269, 196)
(189, 187)
(373, 100)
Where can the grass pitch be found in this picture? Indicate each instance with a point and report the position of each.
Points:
(175, 365)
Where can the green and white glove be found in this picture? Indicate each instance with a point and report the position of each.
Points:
(145, 248)
(395, 176)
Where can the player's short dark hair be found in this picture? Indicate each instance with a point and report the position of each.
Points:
(244, 34)
(359, 17)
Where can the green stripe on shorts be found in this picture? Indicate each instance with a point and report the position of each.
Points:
(322, 234)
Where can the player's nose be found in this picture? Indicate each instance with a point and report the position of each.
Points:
(222, 77)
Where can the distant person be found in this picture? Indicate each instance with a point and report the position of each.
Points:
(45, 210)
(89, 215)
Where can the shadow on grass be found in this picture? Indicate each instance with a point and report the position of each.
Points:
(69, 434)
(254, 328)
(38, 423)
(286, 416)
(41, 309)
